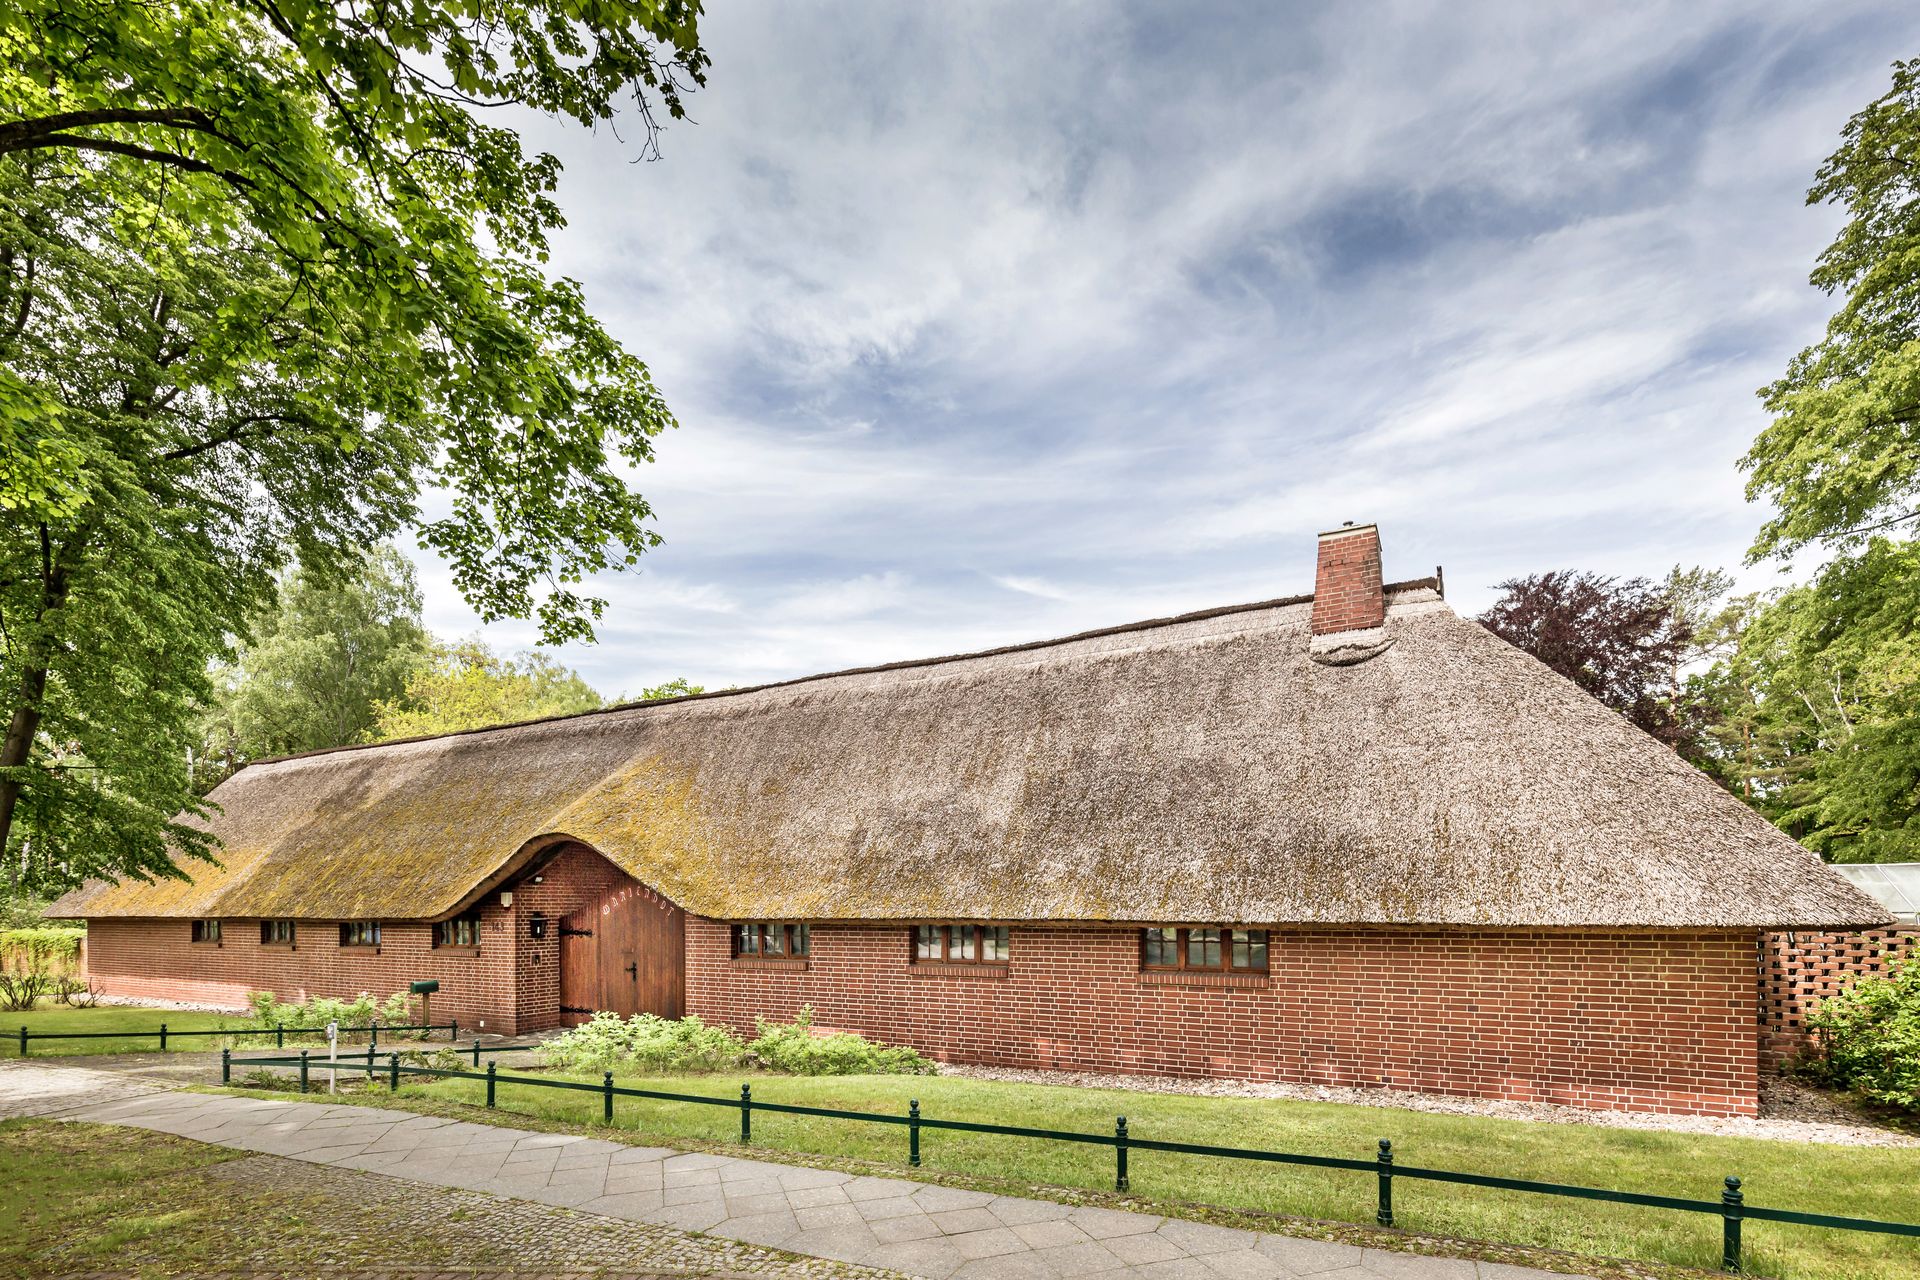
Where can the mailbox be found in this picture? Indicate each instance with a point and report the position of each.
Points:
(426, 988)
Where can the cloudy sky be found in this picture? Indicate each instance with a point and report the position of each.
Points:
(987, 323)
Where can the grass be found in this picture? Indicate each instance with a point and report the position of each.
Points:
(1868, 1182)
(75, 1195)
(140, 1025)
(141, 1028)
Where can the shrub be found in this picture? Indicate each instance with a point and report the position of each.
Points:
(795, 1049)
(359, 1012)
(644, 1043)
(20, 990)
(1868, 1038)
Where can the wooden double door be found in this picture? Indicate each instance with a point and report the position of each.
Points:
(626, 954)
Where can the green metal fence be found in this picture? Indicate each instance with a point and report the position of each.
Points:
(1731, 1207)
(279, 1034)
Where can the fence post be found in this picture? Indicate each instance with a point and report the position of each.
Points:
(913, 1133)
(279, 1037)
(1731, 1202)
(1385, 1214)
(23, 1042)
(163, 1037)
(746, 1113)
(453, 1031)
(476, 1053)
(303, 1071)
(375, 1029)
(226, 1066)
(606, 1098)
(369, 1064)
(1120, 1154)
(393, 1072)
(490, 1067)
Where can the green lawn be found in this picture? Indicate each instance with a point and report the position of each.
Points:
(139, 1031)
(140, 1025)
(1869, 1182)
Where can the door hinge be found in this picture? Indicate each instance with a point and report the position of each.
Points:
(570, 1008)
(565, 932)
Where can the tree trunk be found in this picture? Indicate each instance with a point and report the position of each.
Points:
(25, 723)
(19, 742)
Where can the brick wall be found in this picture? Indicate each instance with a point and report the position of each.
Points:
(509, 984)
(1797, 970)
(1658, 1022)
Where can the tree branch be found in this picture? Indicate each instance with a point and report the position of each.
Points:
(22, 135)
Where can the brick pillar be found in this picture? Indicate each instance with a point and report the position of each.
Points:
(1346, 587)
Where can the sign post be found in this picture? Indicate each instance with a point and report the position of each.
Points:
(425, 990)
(333, 1052)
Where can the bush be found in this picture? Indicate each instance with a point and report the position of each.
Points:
(644, 1043)
(1868, 1038)
(794, 1048)
(360, 1012)
(21, 990)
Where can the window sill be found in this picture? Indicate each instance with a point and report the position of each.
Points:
(956, 969)
(364, 948)
(793, 964)
(278, 946)
(456, 951)
(1192, 978)
(211, 945)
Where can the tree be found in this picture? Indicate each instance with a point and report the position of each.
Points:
(264, 276)
(1819, 706)
(322, 659)
(468, 686)
(1620, 641)
(1841, 458)
(1827, 674)
(678, 687)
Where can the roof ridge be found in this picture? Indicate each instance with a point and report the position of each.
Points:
(905, 664)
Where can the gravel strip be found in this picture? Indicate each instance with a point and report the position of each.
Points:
(1789, 1112)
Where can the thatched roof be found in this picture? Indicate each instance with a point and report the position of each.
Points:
(1207, 768)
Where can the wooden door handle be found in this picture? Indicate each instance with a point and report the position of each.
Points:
(633, 971)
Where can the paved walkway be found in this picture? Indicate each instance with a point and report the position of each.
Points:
(928, 1231)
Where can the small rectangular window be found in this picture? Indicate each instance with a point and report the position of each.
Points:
(206, 931)
(1162, 949)
(276, 933)
(961, 943)
(772, 940)
(461, 931)
(1204, 950)
(360, 933)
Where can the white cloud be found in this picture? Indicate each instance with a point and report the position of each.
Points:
(991, 322)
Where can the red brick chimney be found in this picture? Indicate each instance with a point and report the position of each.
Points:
(1346, 586)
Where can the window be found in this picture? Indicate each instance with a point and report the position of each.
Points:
(360, 933)
(461, 931)
(768, 940)
(1215, 950)
(276, 933)
(960, 943)
(206, 931)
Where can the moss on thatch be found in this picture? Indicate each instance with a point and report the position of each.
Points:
(1197, 769)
